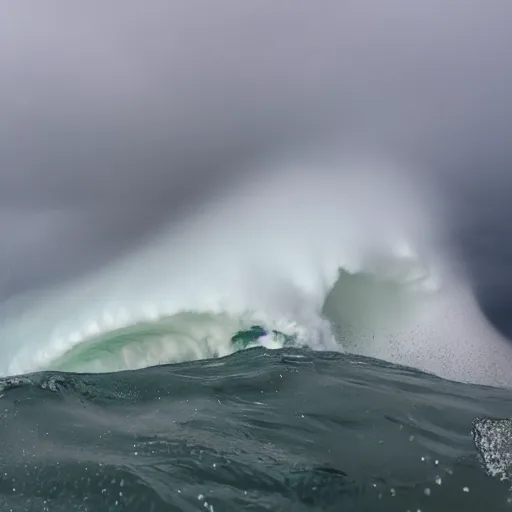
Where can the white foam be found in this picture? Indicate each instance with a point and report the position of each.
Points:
(271, 248)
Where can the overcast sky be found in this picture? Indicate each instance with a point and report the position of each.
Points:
(116, 116)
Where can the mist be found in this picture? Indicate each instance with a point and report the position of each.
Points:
(119, 118)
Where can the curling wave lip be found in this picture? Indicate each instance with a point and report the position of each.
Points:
(275, 250)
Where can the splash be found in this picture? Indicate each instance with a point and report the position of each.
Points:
(341, 255)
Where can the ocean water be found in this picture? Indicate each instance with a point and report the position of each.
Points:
(257, 430)
(255, 256)
(282, 349)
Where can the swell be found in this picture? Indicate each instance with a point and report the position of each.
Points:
(342, 260)
(181, 338)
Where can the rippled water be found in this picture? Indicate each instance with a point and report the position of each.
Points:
(257, 430)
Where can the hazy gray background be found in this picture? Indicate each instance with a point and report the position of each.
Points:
(116, 116)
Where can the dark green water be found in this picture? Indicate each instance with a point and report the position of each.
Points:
(284, 430)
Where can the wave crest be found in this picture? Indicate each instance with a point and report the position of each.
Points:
(342, 259)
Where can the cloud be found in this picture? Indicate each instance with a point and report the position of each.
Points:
(124, 114)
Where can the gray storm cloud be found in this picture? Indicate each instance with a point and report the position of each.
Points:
(117, 116)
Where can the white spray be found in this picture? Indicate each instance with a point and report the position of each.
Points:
(270, 251)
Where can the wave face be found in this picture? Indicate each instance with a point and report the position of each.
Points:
(339, 261)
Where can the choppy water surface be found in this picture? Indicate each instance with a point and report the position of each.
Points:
(258, 430)
(223, 228)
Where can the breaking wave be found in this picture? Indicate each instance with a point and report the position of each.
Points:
(309, 254)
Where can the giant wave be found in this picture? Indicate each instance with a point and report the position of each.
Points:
(345, 261)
